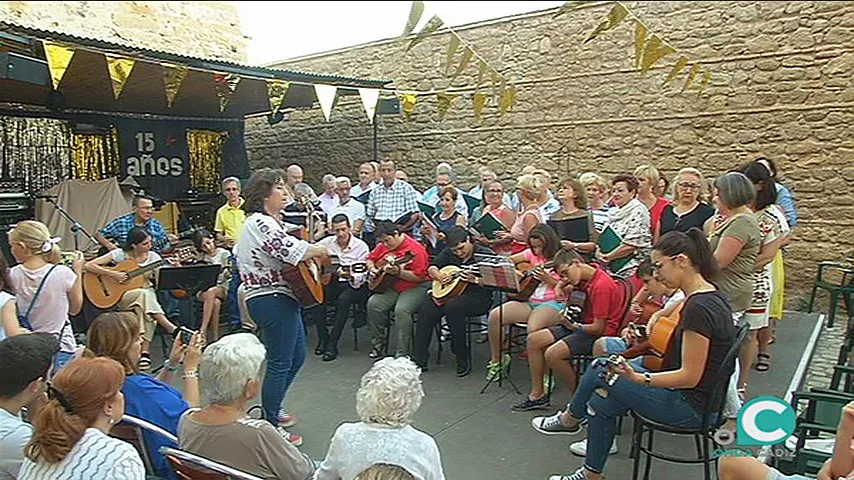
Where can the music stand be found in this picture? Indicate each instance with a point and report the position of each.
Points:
(191, 278)
(498, 273)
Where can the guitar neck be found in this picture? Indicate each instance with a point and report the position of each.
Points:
(143, 270)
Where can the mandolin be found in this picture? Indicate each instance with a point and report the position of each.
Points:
(104, 291)
(528, 283)
(380, 281)
(442, 292)
(658, 342)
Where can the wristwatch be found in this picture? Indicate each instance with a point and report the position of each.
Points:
(647, 379)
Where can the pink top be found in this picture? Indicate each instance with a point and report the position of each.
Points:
(543, 293)
(499, 214)
(518, 232)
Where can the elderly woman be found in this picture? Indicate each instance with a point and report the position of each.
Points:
(687, 211)
(648, 178)
(387, 400)
(222, 431)
(329, 198)
(573, 222)
(597, 196)
(629, 219)
(530, 189)
(735, 240)
(498, 208)
(117, 335)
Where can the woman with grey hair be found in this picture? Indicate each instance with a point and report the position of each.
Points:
(230, 375)
(388, 398)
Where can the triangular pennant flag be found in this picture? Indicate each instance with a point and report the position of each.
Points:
(408, 101)
(615, 17)
(414, 15)
(326, 97)
(369, 97)
(119, 68)
(508, 99)
(453, 45)
(481, 70)
(173, 77)
(58, 57)
(444, 101)
(655, 50)
(479, 101)
(226, 84)
(677, 69)
(276, 91)
(695, 69)
(464, 61)
(431, 26)
(496, 82)
(707, 78)
(640, 41)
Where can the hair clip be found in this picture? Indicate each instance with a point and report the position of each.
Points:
(54, 394)
(48, 244)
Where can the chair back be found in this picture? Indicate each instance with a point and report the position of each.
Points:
(629, 290)
(131, 428)
(188, 466)
(722, 377)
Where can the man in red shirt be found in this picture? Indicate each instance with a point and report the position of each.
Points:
(406, 292)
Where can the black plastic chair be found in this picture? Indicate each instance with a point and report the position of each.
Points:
(703, 435)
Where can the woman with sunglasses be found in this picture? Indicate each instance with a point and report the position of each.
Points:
(686, 211)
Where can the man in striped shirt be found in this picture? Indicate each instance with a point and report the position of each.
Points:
(393, 200)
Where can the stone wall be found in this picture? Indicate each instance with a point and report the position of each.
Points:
(174, 26)
(781, 87)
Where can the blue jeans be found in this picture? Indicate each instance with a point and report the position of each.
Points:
(280, 319)
(233, 302)
(659, 404)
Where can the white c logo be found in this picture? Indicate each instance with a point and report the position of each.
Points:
(748, 421)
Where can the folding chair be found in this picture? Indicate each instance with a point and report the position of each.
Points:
(130, 430)
(188, 466)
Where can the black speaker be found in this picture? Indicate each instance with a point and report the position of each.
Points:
(24, 69)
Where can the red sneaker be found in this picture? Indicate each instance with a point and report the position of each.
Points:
(287, 420)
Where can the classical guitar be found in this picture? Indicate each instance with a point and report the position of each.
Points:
(442, 292)
(658, 342)
(528, 282)
(104, 291)
(381, 281)
(305, 278)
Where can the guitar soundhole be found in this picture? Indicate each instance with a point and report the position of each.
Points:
(103, 287)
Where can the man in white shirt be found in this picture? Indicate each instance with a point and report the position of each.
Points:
(347, 286)
(26, 360)
(328, 199)
(349, 206)
(444, 177)
(367, 179)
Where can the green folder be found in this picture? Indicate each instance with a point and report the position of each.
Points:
(488, 225)
(609, 240)
(427, 210)
(471, 202)
(364, 197)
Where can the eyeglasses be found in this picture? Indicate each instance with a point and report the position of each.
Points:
(494, 190)
(692, 186)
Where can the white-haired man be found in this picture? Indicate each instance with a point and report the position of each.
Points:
(328, 199)
(230, 217)
(230, 377)
(368, 173)
(349, 206)
(486, 175)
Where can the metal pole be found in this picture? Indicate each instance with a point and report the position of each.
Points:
(376, 142)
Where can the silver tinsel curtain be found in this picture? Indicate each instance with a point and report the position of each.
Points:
(37, 150)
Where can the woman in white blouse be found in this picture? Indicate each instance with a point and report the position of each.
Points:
(390, 395)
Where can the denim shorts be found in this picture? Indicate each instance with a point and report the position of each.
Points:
(551, 303)
(578, 341)
(615, 345)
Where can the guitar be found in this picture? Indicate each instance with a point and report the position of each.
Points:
(305, 279)
(380, 281)
(104, 291)
(332, 269)
(442, 292)
(528, 282)
(658, 342)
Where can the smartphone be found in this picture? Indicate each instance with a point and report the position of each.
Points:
(186, 335)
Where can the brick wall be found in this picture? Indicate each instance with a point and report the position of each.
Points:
(175, 26)
(782, 87)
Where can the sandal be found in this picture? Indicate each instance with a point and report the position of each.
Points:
(763, 362)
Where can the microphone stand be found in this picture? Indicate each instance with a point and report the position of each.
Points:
(76, 227)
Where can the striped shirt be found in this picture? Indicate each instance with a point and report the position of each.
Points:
(95, 457)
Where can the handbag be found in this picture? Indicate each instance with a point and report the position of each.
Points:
(24, 320)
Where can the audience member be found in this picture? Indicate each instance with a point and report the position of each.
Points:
(598, 194)
(8, 305)
(648, 178)
(228, 223)
(687, 211)
(629, 219)
(329, 198)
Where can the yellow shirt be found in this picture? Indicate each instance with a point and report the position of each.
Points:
(229, 220)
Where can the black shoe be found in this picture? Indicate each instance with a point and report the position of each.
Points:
(527, 404)
(376, 352)
(463, 368)
(319, 350)
(330, 354)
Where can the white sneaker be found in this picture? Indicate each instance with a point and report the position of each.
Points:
(580, 448)
(577, 475)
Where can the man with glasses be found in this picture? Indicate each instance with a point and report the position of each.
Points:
(473, 302)
(230, 217)
(141, 216)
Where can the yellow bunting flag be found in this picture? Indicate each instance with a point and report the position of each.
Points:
(414, 16)
(276, 91)
(695, 69)
(444, 101)
(567, 7)
(431, 26)
(119, 68)
(173, 77)
(479, 101)
(408, 101)
(481, 71)
(707, 78)
(226, 84)
(655, 50)
(497, 81)
(58, 57)
(464, 61)
(640, 42)
(615, 17)
(677, 69)
(508, 99)
(453, 45)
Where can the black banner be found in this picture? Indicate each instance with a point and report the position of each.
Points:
(155, 153)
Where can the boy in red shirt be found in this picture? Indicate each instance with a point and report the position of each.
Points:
(406, 293)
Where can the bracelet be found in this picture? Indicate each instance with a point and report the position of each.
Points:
(168, 366)
(190, 374)
(647, 379)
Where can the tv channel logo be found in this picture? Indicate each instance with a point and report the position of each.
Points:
(765, 421)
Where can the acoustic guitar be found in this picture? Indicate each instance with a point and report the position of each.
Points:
(658, 342)
(104, 291)
(305, 279)
(528, 283)
(332, 269)
(442, 292)
(381, 281)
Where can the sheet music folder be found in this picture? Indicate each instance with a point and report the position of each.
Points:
(497, 272)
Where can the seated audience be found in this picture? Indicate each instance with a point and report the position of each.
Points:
(213, 297)
(387, 399)
(71, 439)
(116, 335)
(27, 360)
(222, 431)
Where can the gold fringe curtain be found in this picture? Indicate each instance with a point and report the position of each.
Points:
(205, 158)
(38, 151)
(96, 157)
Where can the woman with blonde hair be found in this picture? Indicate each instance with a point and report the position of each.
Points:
(597, 198)
(71, 436)
(648, 177)
(388, 398)
(46, 292)
(530, 189)
(687, 210)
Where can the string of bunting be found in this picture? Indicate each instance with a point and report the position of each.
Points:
(649, 47)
